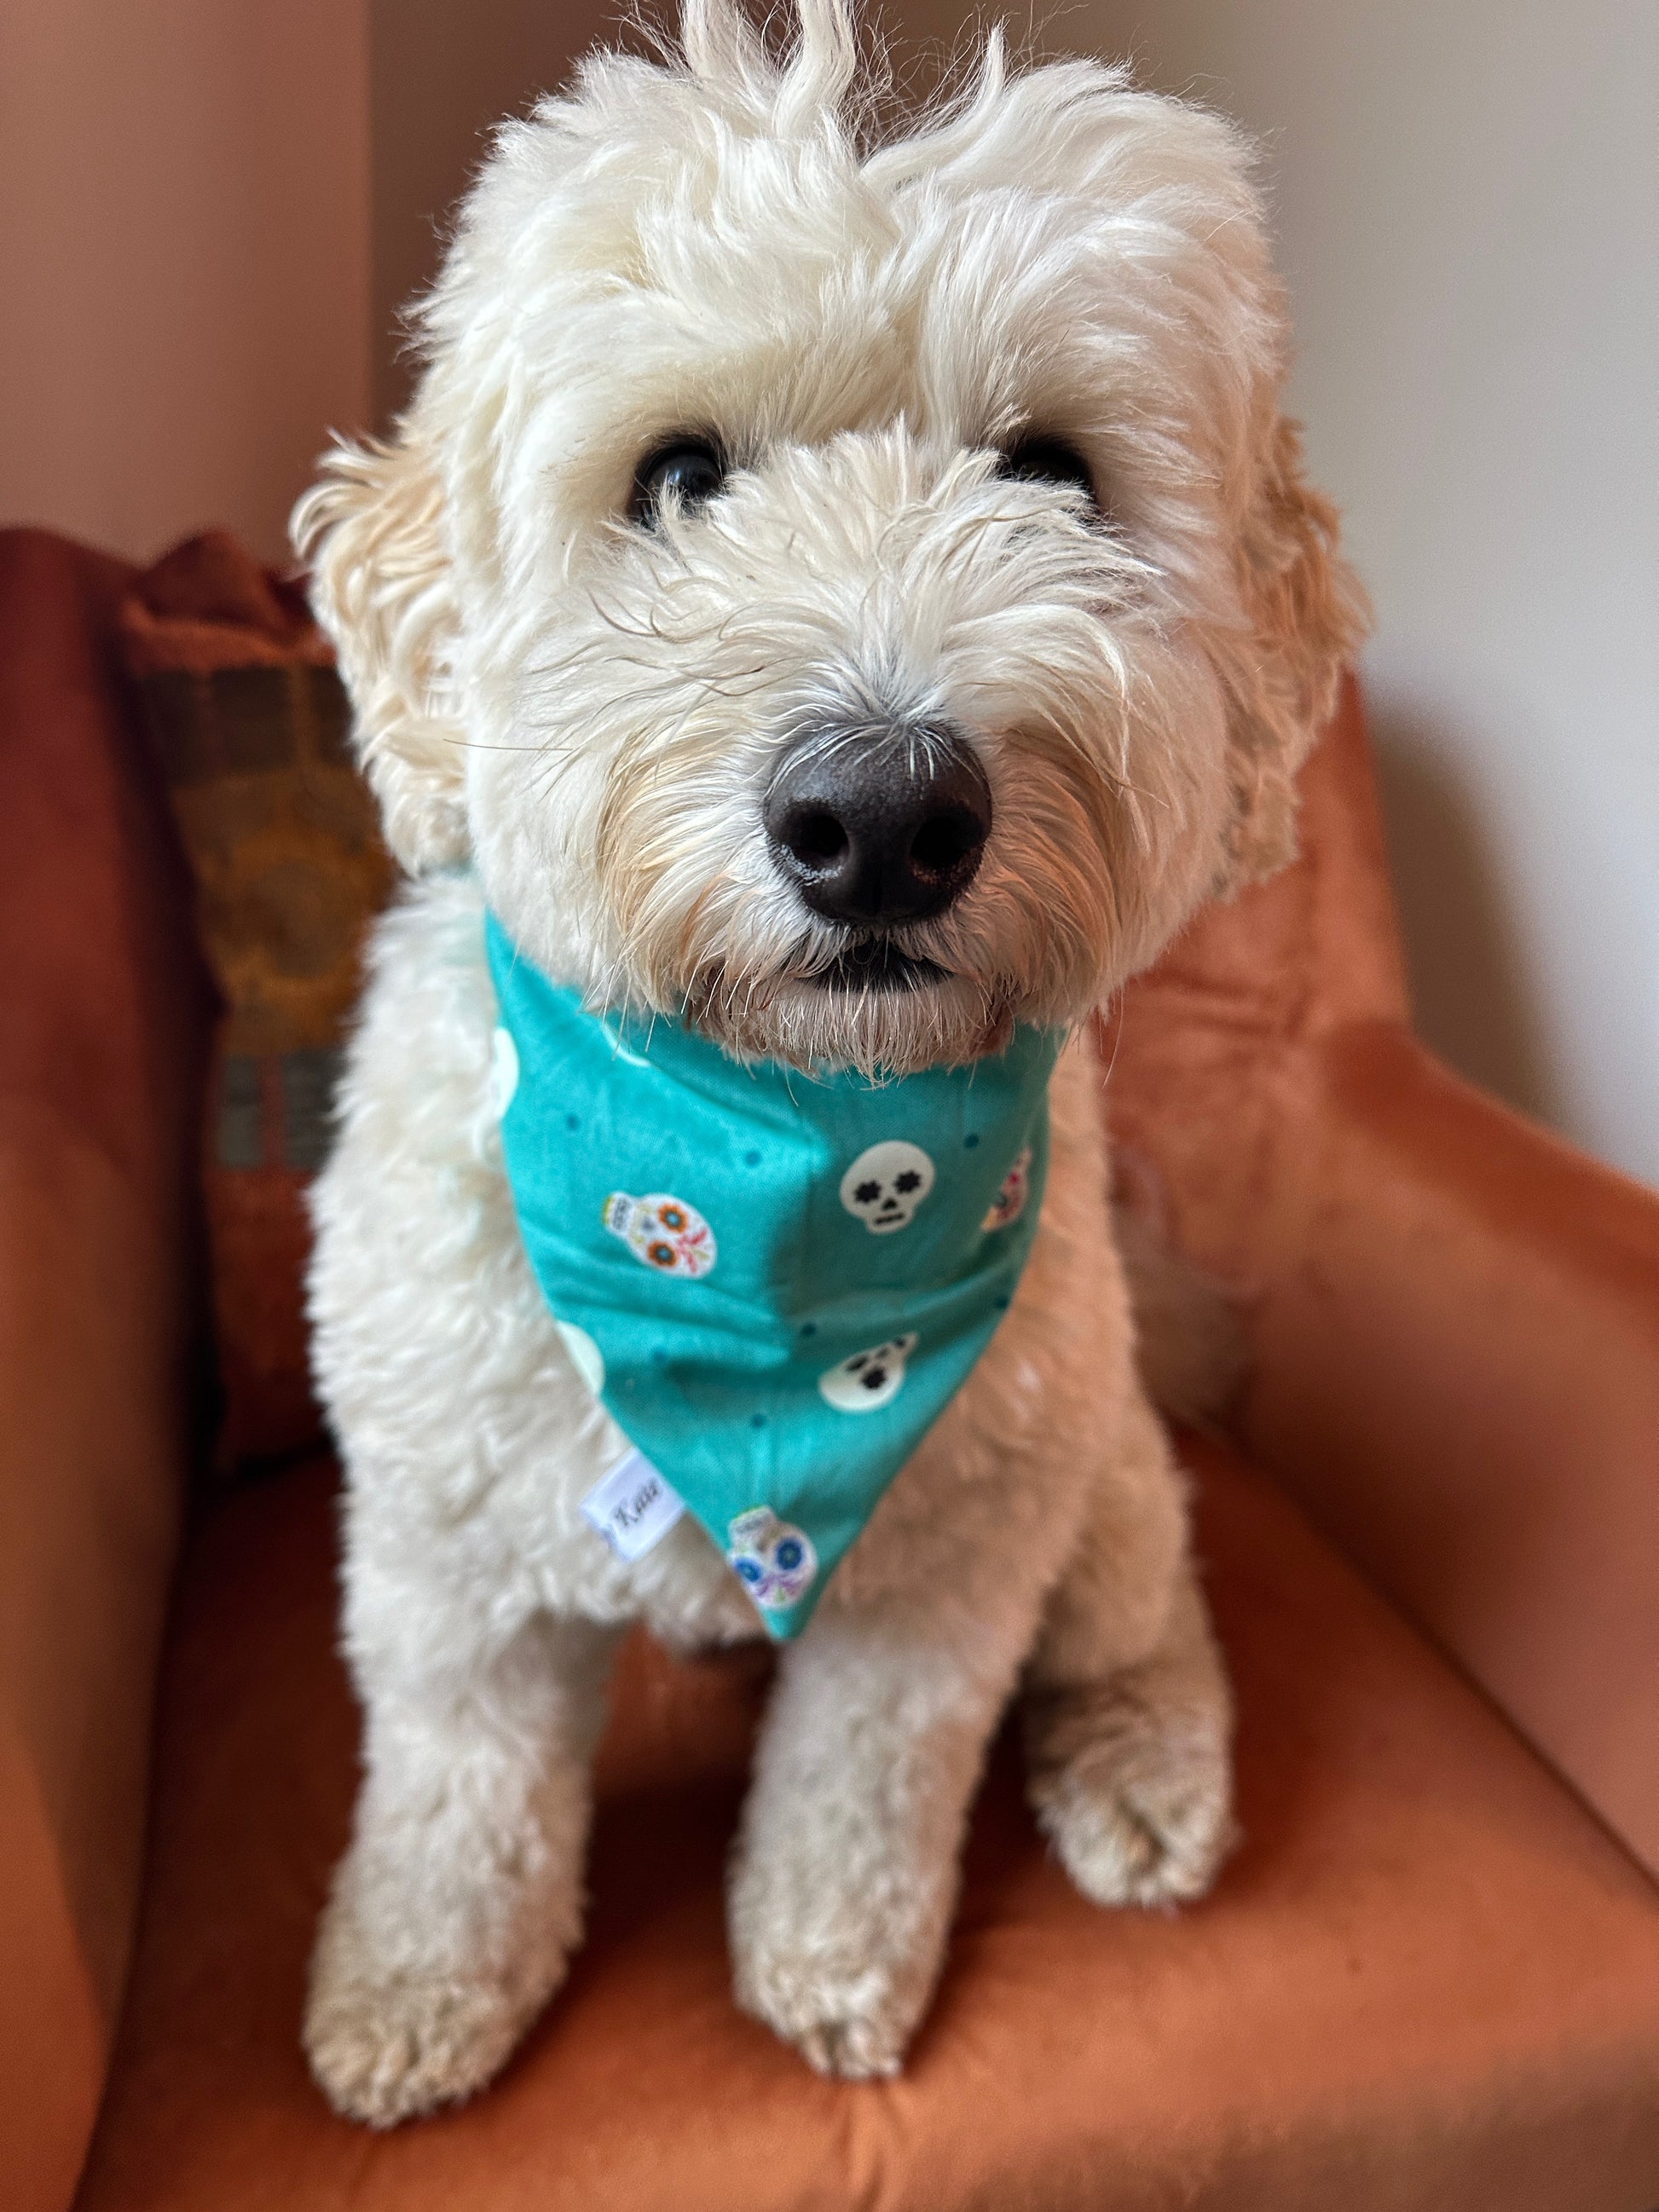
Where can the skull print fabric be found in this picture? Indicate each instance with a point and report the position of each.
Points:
(869, 1379)
(775, 1562)
(775, 1281)
(665, 1233)
(1009, 1203)
(886, 1185)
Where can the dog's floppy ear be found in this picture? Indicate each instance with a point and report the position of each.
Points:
(1305, 614)
(370, 528)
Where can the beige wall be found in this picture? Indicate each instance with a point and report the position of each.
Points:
(444, 72)
(183, 260)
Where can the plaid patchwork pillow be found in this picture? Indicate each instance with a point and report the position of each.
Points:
(249, 725)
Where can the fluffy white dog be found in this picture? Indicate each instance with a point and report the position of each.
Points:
(851, 592)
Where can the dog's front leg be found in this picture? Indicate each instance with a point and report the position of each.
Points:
(845, 1875)
(1128, 1718)
(459, 1901)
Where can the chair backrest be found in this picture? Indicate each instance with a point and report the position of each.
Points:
(1202, 1046)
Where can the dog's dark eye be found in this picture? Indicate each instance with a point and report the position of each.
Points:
(1048, 461)
(690, 471)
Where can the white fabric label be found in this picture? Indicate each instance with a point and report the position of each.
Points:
(633, 1507)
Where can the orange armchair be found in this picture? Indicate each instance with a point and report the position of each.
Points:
(1429, 1977)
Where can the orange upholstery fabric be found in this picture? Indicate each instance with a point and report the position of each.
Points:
(1456, 1317)
(1426, 1979)
(103, 1019)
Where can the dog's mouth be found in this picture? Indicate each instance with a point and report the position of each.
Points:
(869, 1005)
(875, 963)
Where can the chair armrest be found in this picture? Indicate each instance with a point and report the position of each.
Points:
(1456, 1317)
(1458, 1377)
(104, 1020)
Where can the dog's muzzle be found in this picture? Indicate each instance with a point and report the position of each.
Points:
(878, 827)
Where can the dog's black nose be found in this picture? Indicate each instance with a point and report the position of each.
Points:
(878, 827)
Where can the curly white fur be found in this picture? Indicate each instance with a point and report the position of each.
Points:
(584, 712)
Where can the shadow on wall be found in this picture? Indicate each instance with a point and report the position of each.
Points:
(1468, 983)
(443, 74)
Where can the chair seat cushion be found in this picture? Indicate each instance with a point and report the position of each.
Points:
(1426, 1977)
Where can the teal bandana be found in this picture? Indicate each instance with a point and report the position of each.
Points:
(776, 1282)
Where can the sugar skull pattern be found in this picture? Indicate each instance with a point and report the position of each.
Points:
(886, 1184)
(662, 1232)
(1009, 1203)
(869, 1379)
(773, 1560)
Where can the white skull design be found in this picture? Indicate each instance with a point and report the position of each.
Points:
(662, 1232)
(868, 1379)
(1009, 1203)
(503, 1078)
(886, 1185)
(584, 1355)
(773, 1560)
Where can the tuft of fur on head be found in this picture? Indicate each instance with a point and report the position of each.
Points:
(588, 709)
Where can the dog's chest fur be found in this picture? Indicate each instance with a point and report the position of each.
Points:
(431, 1334)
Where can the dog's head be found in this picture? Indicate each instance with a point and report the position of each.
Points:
(853, 591)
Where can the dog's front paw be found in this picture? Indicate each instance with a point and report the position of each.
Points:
(390, 2037)
(1135, 1798)
(842, 1979)
(845, 2018)
(390, 2050)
